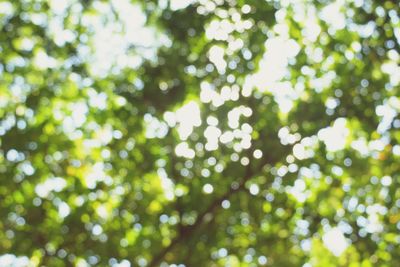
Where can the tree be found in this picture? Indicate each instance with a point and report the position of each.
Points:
(199, 133)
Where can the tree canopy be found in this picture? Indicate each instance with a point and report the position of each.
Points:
(199, 133)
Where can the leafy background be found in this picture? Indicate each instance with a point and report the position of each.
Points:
(199, 133)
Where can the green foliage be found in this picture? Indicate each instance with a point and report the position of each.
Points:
(200, 133)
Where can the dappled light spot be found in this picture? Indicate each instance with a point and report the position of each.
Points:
(63, 209)
(13, 260)
(216, 55)
(155, 128)
(226, 204)
(97, 229)
(335, 136)
(257, 154)
(112, 40)
(44, 61)
(254, 189)
(56, 184)
(183, 150)
(179, 4)
(279, 51)
(335, 241)
(298, 190)
(305, 149)
(188, 117)
(208, 188)
(333, 15)
(167, 185)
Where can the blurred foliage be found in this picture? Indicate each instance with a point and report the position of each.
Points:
(199, 133)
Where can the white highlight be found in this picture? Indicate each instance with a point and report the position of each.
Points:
(272, 69)
(188, 117)
(335, 136)
(56, 184)
(335, 241)
(14, 261)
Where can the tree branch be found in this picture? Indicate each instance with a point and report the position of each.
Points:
(189, 230)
